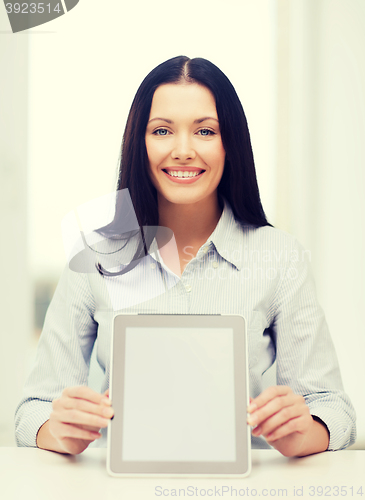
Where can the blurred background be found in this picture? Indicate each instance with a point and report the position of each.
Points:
(298, 67)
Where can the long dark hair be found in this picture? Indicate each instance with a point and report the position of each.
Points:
(238, 184)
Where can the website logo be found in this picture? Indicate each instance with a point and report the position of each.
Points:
(26, 15)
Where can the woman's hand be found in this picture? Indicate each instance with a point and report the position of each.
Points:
(283, 418)
(75, 421)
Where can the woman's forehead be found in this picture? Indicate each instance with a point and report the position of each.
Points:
(183, 99)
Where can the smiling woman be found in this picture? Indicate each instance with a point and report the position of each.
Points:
(186, 158)
(186, 113)
(188, 165)
(187, 150)
(189, 104)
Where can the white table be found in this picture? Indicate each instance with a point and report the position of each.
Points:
(28, 473)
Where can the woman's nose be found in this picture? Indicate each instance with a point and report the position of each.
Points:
(183, 149)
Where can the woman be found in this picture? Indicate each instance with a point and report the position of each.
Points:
(188, 165)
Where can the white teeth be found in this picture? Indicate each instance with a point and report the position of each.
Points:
(182, 174)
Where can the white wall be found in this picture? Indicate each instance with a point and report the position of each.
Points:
(15, 297)
(324, 126)
(340, 228)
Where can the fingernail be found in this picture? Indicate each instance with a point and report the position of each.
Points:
(252, 407)
(112, 417)
(256, 431)
(106, 401)
(252, 420)
(108, 412)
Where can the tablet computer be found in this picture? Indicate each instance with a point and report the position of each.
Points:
(179, 389)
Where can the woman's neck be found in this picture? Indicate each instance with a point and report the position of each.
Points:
(191, 224)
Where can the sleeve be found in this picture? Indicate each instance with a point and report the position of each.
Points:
(63, 354)
(305, 354)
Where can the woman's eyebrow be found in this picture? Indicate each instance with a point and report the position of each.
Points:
(199, 120)
(163, 119)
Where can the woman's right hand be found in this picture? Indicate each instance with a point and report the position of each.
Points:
(75, 421)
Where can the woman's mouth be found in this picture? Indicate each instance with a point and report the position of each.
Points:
(183, 175)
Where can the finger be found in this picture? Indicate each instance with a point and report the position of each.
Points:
(280, 418)
(81, 418)
(267, 395)
(70, 431)
(271, 408)
(89, 428)
(295, 425)
(85, 406)
(106, 393)
(84, 392)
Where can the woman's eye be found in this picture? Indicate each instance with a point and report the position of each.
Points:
(161, 131)
(205, 132)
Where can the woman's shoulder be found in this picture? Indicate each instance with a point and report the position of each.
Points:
(269, 235)
(236, 232)
(256, 235)
(270, 244)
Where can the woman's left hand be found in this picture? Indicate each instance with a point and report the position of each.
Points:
(282, 417)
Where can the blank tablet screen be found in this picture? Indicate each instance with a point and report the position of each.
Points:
(179, 395)
(179, 386)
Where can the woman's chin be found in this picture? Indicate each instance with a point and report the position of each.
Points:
(181, 198)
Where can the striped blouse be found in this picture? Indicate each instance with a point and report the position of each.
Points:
(261, 273)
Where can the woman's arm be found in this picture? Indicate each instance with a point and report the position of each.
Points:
(309, 405)
(63, 354)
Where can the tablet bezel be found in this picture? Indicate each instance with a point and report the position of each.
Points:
(242, 466)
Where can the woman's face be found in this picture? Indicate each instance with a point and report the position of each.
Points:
(184, 144)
